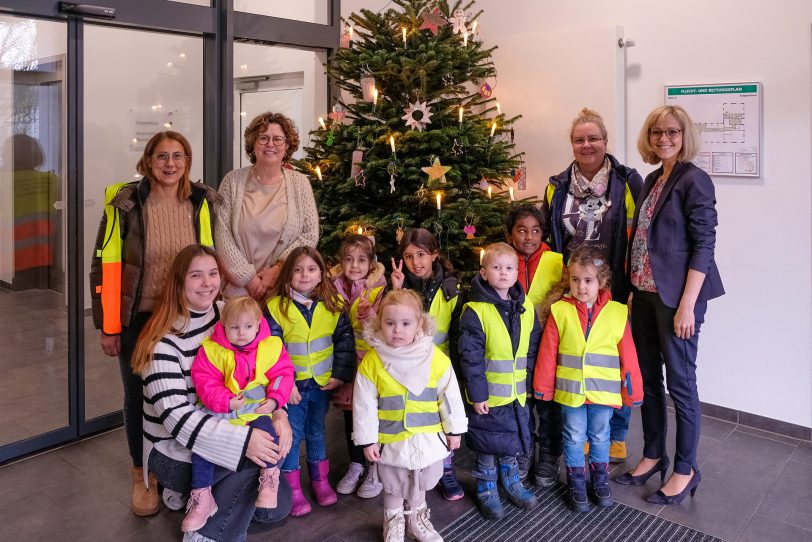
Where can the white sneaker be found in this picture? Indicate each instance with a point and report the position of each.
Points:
(174, 500)
(371, 486)
(349, 482)
(194, 536)
(419, 527)
(393, 521)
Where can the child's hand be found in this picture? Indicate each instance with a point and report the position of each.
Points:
(364, 309)
(372, 453)
(266, 407)
(295, 396)
(453, 442)
(397, 275)
(236, 403)
(481, 408)
(332, 384)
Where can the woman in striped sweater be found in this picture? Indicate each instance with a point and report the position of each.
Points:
(174, 428)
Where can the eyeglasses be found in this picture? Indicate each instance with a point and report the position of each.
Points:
(579, 141)
(177, 157)
(277, 140)
(671, 133)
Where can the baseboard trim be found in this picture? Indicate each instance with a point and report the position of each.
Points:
(757, 422)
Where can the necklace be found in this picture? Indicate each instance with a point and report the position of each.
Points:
(272, 180)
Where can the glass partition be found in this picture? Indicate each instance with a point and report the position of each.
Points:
(309, 11)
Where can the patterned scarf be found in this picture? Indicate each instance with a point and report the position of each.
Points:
(580, 187)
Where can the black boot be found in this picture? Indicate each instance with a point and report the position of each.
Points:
(576, 482)
(601, 492)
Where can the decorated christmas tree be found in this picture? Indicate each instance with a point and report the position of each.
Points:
(416, 137)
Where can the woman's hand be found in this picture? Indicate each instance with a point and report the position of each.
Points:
(397, 276)
(332, 384)
(266, 407)
(110, 344)
(262, 449)
(372, 453)
(453, 442)
(283, 432)
(481, 408)
(295, 396)
(255, 288)
(684, 322)
(269, 276)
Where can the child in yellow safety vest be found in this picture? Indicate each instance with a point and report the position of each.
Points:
(434, 279)
(243, 374)
(539, 271)
(588, 364)
(360, 280)
(305, 309)
(407, 413)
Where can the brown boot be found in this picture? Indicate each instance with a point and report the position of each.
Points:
(145, 499)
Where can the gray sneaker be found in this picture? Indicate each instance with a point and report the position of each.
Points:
(174, 500)
(194, 536)
(371, 486)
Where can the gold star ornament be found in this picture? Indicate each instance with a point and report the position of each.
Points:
(436, 170)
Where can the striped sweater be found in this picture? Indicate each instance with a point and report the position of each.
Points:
(172, 423)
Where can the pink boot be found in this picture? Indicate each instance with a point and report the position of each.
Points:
(325, 495)
(268, 488)
(200, 508)
(299, 504)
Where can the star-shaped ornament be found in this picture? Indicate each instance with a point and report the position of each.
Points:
(361, 179)
(436, 171)
(424, 116)
(456, 148)
(432, 20)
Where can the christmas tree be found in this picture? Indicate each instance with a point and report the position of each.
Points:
(415, 138)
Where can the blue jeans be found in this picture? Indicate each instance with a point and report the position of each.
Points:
(234, 492)
(619, 424)
(307, 422)
(580, 423)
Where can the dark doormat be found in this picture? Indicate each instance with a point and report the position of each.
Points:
(552, 521)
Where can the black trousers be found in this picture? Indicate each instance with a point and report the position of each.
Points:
(657, 347)
(133, 409)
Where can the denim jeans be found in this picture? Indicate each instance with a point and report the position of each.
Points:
(234, 492)
(133, 408)
(619, 424)
(580, 423)
(307, 422)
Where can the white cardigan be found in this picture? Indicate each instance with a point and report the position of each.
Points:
(301, 227)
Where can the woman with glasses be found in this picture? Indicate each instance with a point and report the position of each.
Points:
(673, 275)
(589, 203)
(145, 224)
(268, 209)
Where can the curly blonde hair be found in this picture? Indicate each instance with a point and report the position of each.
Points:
(260, 123)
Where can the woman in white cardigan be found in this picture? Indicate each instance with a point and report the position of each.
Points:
(268, 209)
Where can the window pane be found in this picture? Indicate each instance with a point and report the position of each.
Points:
(310, 11)
(159, 87)
(279, 79)
(33, 293)
(196, 2)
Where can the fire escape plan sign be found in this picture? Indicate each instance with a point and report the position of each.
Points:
(728, 120)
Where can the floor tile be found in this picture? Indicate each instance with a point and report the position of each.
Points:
(803, 453)
(748, 460)
(767, 435)
(790, 499)
(31, 518)
(763, 528)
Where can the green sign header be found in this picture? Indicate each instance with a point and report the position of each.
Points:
(718, 89)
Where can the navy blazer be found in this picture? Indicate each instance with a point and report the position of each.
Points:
(682, 233)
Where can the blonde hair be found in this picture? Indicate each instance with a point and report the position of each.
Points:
(405, 297)
(498, 249)
(690, 137)
(236, 307)
(588, 115)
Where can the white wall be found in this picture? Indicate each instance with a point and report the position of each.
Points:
(756, 350)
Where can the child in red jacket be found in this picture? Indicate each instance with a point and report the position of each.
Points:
(588, 364)
(242, 373)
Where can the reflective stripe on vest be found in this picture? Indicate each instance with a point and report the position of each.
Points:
(547, 275)
(357, 327)
(400, 412)
(506, 374)
(310, 347)
(588, 369)
(111, 257)
(441, 310)
(255, 391)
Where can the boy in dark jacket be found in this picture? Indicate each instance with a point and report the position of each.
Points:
(498, 343)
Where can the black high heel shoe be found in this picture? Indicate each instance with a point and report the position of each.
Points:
(661, 498)
(628, 479)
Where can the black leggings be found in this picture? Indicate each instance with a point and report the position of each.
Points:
(133, 409)
(356, 452)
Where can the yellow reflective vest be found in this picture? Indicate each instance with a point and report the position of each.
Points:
(505, 372)
(111, 251)
(268, 351)
(310, 347)
(588, 369)
(441, 310)
(371, 296)
(401, 413)
(548, 274)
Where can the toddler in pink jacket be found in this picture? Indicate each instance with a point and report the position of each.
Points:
(241, 373)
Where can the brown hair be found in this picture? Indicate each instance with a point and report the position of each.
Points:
(690, 137)
(588, 115)
(261, 123)
(356, 240)
(325, 290)
(498, 249)
(583, 255)
(171, 307)
(237, 306)
(422, 238)
(144, 165)
(407, 297)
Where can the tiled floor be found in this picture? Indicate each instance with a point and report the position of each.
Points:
(755, 486)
